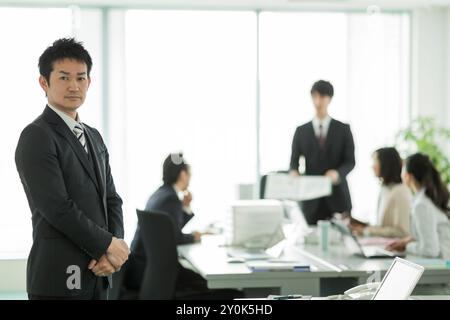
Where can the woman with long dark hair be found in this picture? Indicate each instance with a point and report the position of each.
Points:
(394, 201)
(430, 224)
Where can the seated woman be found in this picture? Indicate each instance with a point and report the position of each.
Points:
(394, 202)
(430, 226)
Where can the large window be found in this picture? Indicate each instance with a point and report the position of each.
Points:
(187, 80)
(296, 50)
(191, 87)
(366, 57)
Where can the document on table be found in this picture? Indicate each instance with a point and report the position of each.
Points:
(283, 186)
(265, 266)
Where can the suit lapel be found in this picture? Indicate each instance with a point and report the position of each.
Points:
(100, 173)
(313, 136)
(330, 134)
(93, 153)
(62, 129)
(328, 139)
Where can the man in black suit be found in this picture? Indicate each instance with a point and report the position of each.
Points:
(328, 148)
(64, 168)
(174, 199)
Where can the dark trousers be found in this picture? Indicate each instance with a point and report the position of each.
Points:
(188, 279)
(322, 212)
(191, 285)
(100, 292)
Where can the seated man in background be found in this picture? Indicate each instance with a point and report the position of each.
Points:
(174, 199)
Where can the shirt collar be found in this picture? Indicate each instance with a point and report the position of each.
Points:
(71, 123)
(419, 195)
(178, 192)
(325, 121)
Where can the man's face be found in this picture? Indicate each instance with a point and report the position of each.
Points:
(185, 178)
(376, 165)
(320, 102)
(68, 85)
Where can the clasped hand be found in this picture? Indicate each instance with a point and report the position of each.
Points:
(115, 256)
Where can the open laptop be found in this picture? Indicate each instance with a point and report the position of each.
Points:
(352, 244)
(399, 281)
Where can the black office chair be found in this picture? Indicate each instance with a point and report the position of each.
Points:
(161, 269)
(160, 275)
(263, 181)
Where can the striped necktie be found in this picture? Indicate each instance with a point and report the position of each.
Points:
(79, 132)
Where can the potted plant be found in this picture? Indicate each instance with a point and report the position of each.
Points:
(425, 136)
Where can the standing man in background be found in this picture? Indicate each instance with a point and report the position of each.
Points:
(64, 168)
(328, 148)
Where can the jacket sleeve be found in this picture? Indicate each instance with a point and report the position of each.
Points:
(296, 152)
(348, 162)
(43, 181)
(175, 209)
(187, 216)
(396, 218)
(386, 231)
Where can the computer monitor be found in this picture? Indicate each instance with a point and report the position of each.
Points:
(255, 223)
(399, 281)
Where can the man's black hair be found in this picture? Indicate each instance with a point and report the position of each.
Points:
(65, 48)
(324, 88)
(172, 167)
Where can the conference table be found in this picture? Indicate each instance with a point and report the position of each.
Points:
(332, 271)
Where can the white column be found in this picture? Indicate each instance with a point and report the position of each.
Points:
(429, 70)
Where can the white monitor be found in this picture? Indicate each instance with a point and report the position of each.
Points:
(256, 223)
(399, 281)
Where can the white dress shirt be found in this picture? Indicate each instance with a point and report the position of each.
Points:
(71, 123)
(325, 122)
(430, 228)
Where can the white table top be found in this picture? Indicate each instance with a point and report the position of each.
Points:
(210, 259)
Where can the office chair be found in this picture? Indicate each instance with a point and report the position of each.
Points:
(160, 275)
(161, 269)
(263, 181)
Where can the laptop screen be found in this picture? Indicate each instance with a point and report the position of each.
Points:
(399, 281)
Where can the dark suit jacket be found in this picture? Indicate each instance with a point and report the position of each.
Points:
(338, 154)
(74, 204)
(165, 199)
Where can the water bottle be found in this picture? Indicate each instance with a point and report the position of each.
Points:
(324, 234)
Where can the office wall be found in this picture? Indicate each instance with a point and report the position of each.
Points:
(430, 70)
(447, 68)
